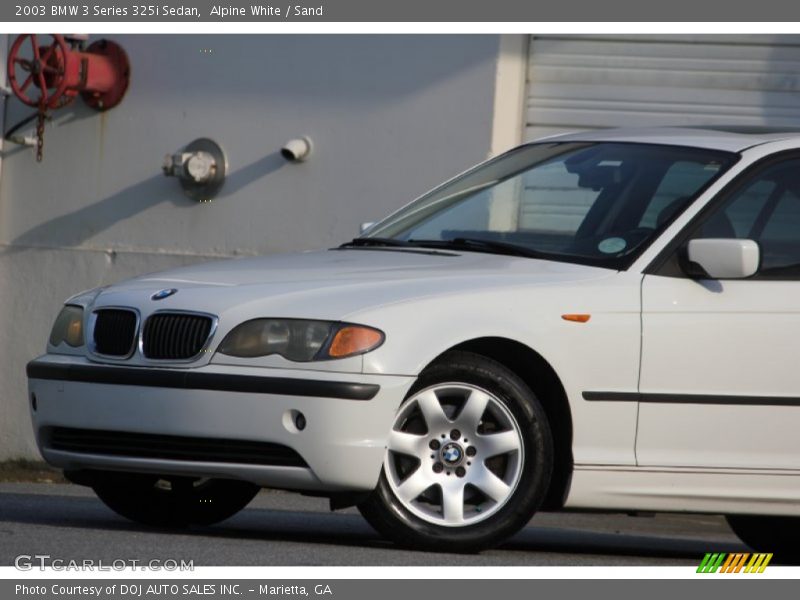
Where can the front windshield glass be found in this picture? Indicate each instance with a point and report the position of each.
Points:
(593, 203)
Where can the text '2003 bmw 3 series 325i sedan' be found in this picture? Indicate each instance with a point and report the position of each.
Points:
(593, 321)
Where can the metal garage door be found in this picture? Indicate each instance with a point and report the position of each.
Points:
(586, 82)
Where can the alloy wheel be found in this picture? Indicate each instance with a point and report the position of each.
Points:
(454, 455)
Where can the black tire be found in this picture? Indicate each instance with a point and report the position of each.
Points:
(172, 501)
(778, 535)
(390, 517)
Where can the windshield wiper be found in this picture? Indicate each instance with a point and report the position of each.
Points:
(375, 241)
(480, 245)
(459, 243)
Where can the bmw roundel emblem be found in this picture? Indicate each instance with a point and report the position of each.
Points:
(451, 453)
(161, 294)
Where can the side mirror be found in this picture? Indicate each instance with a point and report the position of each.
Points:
(725, 258)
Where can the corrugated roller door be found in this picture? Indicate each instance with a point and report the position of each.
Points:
(588, 82)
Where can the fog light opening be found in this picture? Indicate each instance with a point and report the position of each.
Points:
(34, 404)
(294, 421)
(300, 421)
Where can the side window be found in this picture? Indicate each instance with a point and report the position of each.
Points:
(670, 197)
(737, 218)
(780, 237)
(766, 210)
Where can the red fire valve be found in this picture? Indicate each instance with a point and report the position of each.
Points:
(49, 76)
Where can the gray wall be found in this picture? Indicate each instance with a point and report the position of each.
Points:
(390, 117)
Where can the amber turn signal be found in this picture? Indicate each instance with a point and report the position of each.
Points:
(576, 318)
(354, 339)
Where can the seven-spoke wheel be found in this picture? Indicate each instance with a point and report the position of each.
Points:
(468, 458)
(455, 454)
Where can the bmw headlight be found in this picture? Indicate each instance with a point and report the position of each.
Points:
(300, 340)
(68, 327)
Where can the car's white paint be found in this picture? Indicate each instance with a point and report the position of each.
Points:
(531, 313)
(410, 295)
(646, 334)
(343, 442)
(680, 136)
(725, 491)
(731, 337)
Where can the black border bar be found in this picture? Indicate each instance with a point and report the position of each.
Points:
(194, 380)
(409, 11)
(691, 399)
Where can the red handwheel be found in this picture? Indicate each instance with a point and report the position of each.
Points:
(46, 69)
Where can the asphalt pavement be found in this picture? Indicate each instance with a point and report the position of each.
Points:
(67, 522)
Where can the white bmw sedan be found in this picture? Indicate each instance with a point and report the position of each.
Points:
(599, 321)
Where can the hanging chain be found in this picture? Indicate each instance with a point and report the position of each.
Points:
(40, 136)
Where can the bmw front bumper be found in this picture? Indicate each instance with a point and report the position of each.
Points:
(216, 421)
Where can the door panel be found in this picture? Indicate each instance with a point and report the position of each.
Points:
(733, 344)
(720, 378)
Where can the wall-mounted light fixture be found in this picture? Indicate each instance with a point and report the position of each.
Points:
(200, 167)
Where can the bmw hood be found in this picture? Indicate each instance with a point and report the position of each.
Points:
(332, 284)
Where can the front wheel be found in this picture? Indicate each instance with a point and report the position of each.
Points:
(173, 501)
(468, 459)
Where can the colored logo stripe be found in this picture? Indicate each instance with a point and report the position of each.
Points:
(734, 563)
(758, 563)
(711, 562)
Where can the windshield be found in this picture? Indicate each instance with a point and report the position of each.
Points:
(593, 203)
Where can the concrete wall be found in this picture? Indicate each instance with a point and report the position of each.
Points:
(390, 117)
